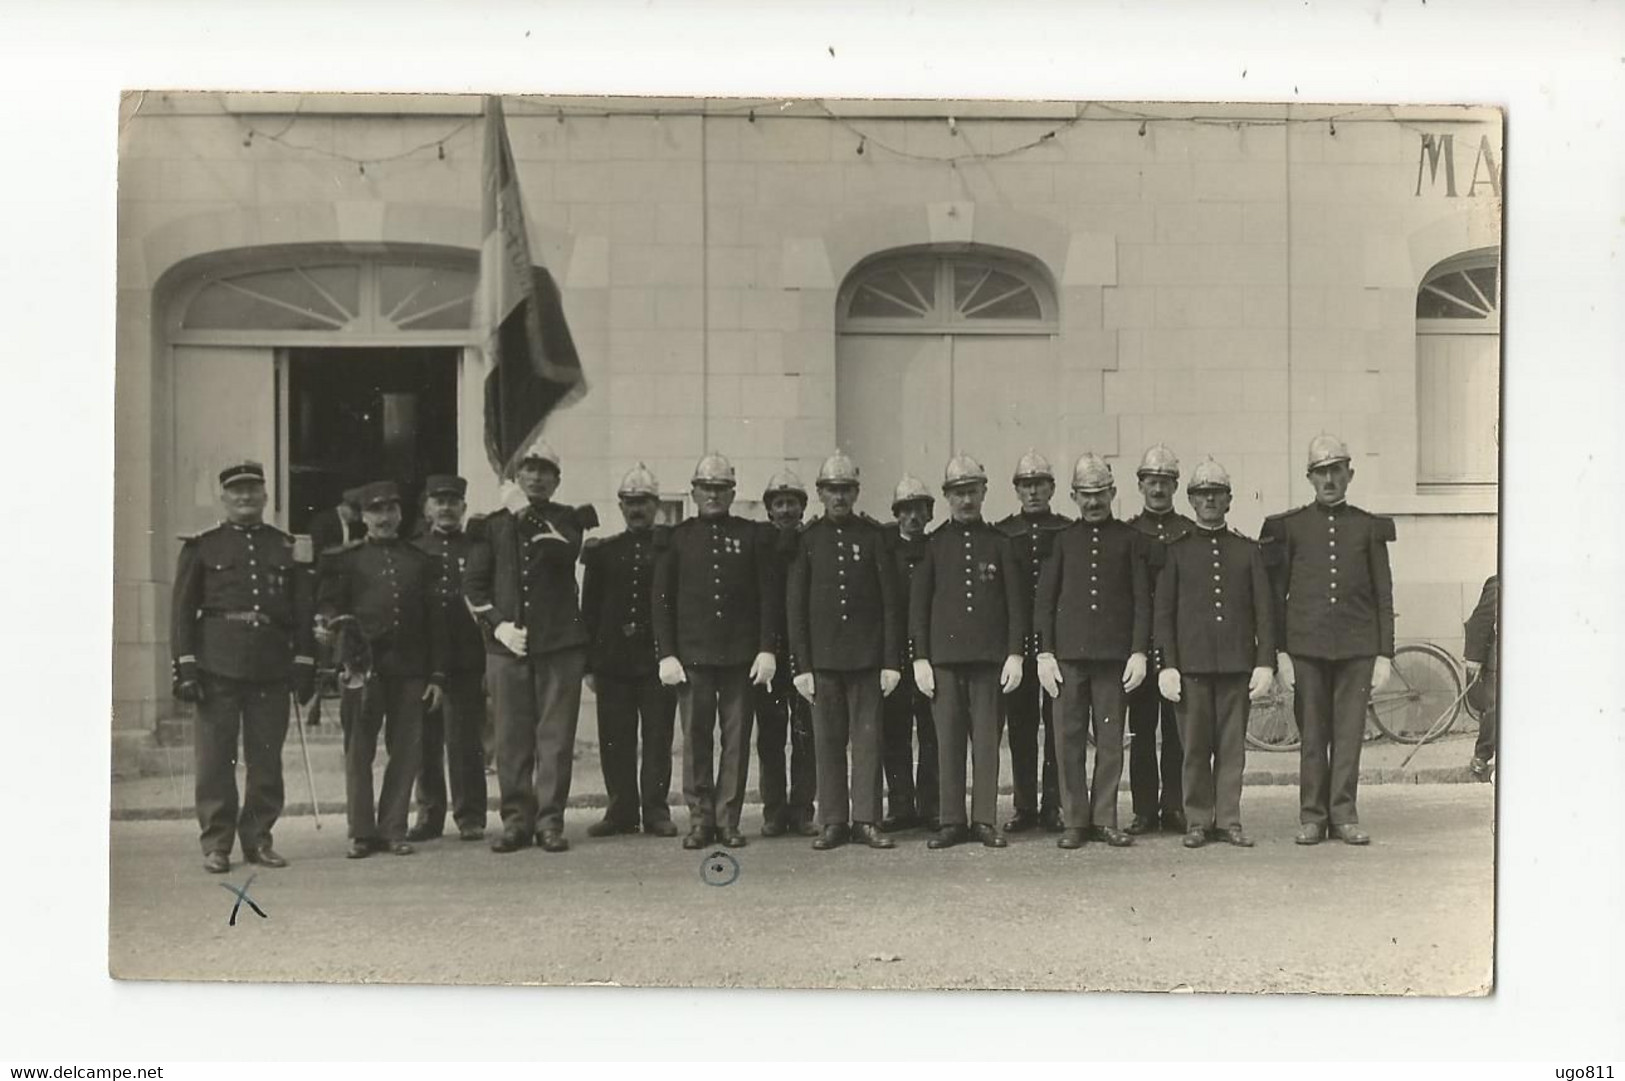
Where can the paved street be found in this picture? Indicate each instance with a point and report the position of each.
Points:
(1410, 914)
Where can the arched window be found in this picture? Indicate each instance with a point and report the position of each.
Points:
(354, 296)
(1458, 371)
(956, 292)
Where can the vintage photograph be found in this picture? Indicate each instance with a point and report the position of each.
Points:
(806, 543)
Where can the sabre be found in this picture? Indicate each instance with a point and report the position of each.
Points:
(1438, 729)
(304, 751)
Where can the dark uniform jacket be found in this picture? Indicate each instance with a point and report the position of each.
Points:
(388, 586)
(1333, 590)
(1094, 593)
(1482, 644)
(906, 554)
(242, 604)
(1213, 605)
(448, 553)
(715, 599)
(845, 611)
(1033, 539)
(619, 573)
(966, 602)
(518, 574)
(782, 543)
(1164, 529)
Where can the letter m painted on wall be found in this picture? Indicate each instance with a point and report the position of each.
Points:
(1432, 147)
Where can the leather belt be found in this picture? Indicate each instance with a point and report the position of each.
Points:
(252, 618)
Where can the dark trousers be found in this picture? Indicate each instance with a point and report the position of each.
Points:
(1488, 717)
(1091, 691)
(260, 710)
(1213, 724)
(1330, 703)
(846, 711)
(1155, 784)
(968, 709)
(783, 714)
(622, 705)
(1024, 709)
(452, 739)
(537, 700)
(392, 705)
(715, 697)
(904, 710)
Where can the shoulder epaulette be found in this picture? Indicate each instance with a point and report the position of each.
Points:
(1290, 513)
(188, 537)
(1238, 533)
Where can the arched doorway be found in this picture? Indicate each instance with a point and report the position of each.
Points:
(332, 368)
(945, 349)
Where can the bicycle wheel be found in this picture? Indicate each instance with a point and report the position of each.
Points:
(1271, 725)
(1422, 697)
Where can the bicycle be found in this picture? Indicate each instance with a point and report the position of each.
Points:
(1421, 701)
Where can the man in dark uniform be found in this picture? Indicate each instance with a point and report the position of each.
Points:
(1213, 620)
(1032, 532)
(452, 734)
(387, 587)
(240, 629)
(912, 800)
(623, 666)
(1156, 786)
(967, 613)
(1334, 621)
(845, 630)
(715, 609)
(780, 712)
(330, 530)
(521, 586)
(1094, 626)
(1481, 651)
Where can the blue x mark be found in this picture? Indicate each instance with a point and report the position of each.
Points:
(242, 898)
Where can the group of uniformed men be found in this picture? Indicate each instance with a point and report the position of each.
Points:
(838, 637)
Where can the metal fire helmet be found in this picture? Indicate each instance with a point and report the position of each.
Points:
(785, 482)
(713, 469)
(1207, 476)
(1325, 449)
(639, 480)
(1159, 461)
(541, 450)
(1033, 466)
(909, 489)
(1091, 474)
(961, 470)
(838, 469)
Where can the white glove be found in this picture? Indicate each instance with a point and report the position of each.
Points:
(671, 672)
(1049, 675)
(513, 637)
(925, 679)
(1169, 684)
(763, 669)
(1134, 671)
(1285, 673)
(1010, 678)
(889, 679)
(1260, 684)
(1380, 673)
(804, 685)
(592, 684)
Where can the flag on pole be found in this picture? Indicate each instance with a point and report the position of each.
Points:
(532, 367)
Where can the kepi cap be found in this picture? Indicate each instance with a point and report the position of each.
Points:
(246, 470)
(445, 484)
(379, 492)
